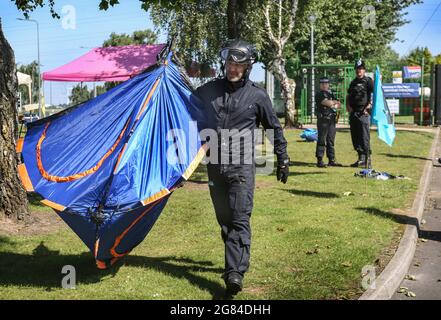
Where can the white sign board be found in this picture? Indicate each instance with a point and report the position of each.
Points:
(397, 80)
(394, 105)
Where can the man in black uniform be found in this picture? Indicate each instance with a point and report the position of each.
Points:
(359, 105)
(237, 104)
(327, 106)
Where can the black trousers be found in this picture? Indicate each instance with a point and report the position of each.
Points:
(232, 191)
(326, 138)
(360, 132)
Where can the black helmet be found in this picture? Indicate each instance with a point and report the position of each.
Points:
(238, 51)
(359, 64)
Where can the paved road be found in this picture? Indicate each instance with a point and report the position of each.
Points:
(426, 265)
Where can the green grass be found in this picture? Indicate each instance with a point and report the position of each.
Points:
(404, 120)
(309, 240)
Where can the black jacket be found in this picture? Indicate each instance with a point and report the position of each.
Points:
(360, 93)
(240, 107)
(322, 111)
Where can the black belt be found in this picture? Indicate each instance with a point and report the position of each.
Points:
(328, 116)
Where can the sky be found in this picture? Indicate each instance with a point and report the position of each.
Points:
(62, 41)
(424, 28)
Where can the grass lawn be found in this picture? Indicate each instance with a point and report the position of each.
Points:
(409, 120)
(309, 240)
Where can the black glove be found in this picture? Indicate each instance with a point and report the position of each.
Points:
(283, 170)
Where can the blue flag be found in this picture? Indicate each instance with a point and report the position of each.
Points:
(381, 116)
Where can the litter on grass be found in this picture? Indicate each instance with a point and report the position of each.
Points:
(373, 174)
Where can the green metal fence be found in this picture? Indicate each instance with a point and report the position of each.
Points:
(340, 76)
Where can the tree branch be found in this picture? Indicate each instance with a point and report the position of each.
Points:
(292, 20)
(268, 23)
(280, 20)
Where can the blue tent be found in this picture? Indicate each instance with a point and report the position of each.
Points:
(109, 165)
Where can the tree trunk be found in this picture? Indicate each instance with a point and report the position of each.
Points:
(231, 19)
(236, 13)
(291, 116)
(288, 87)
(13, 200)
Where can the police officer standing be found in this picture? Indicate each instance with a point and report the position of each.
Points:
(359, 105)
(327, 106)
(238, 104)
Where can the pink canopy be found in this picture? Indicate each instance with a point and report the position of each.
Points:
(107, 64)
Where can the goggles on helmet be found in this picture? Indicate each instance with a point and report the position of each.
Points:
(235, 55)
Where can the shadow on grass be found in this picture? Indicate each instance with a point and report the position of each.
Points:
(398, 218)
(297, 173)
(404, 156)
(301, 164)
(406, 220)
(309, 193)
(307, 164)
(181, 268)
(6, 241)
(43, 267)
(34, 199)
(305, 173)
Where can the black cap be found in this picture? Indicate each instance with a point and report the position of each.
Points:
(324, 80)
(359, 64)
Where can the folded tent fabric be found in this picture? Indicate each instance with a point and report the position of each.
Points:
(310, 135)
(108, 166)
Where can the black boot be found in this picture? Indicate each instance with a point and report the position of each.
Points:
(234, 283)
(365, 162)
(320, 163)
(334, 163)
(361, 162)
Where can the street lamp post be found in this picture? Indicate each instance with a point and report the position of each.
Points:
(312, 18)
(38, 63)
(422, 92)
